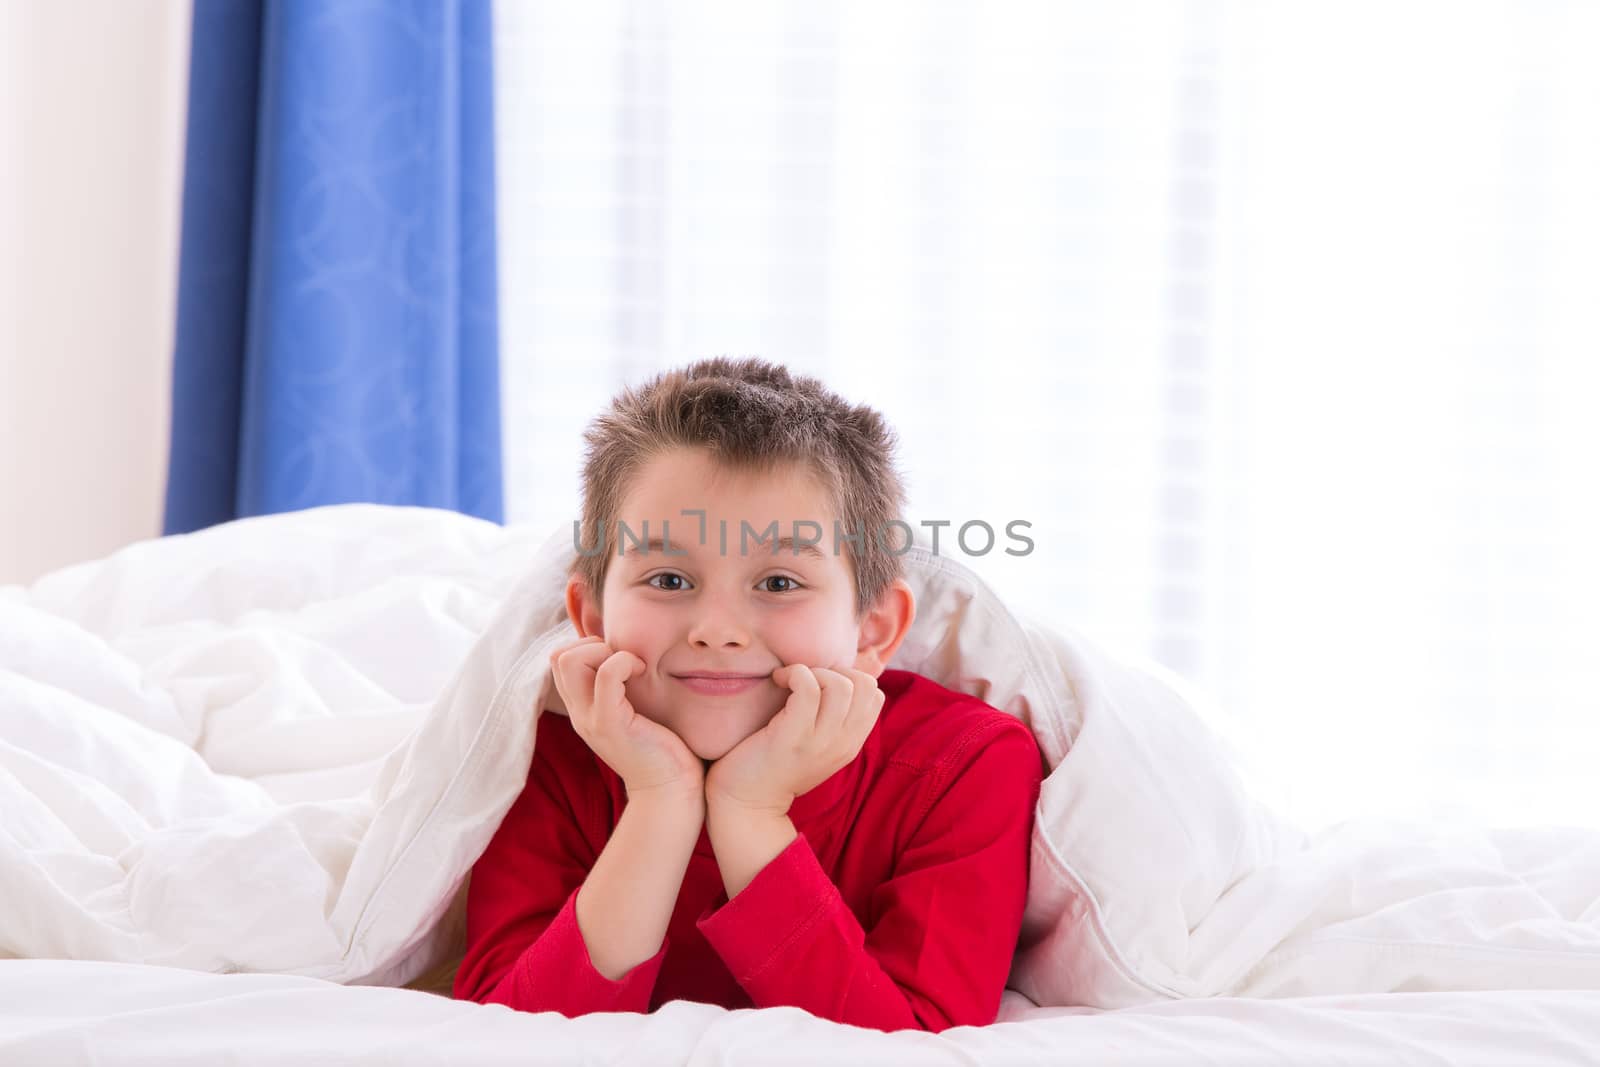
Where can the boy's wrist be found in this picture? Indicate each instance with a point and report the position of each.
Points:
(675, 804)
(730, 807)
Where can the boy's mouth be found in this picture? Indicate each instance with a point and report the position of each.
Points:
(718, 674)
(719, 683)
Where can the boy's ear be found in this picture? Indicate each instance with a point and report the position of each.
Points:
(885, 626)
(583, 609)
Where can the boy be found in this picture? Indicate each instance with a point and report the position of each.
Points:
(742, 805)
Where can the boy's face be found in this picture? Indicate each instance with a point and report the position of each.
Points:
(722, 611)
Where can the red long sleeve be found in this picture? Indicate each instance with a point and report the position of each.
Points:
(898, 905)
(555, 973)
(524, 947)
(947, 918)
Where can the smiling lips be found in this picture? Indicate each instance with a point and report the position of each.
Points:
(719, 683)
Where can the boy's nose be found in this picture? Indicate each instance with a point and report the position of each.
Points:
(718, 637)
(718, 629)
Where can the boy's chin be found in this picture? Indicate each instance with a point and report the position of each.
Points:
(711, 739)
(711, 749)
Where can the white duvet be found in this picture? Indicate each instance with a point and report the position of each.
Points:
(278, 745)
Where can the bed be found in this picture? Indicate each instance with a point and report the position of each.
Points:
(244, 773)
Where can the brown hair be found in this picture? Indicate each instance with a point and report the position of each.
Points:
(752, 415)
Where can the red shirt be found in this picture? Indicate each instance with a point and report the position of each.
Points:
(897, 906)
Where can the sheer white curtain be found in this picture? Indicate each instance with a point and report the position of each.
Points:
(1280, 324)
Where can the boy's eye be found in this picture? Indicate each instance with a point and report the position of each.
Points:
(668, 576)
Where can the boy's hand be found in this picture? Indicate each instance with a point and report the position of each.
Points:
(820, 728)
(648, 757)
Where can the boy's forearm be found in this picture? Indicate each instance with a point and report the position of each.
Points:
(626, 902)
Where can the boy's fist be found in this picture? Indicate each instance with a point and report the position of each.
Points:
(820, 728)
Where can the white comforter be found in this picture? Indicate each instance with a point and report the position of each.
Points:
(278, 746)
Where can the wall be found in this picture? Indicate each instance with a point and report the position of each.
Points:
(91, 168)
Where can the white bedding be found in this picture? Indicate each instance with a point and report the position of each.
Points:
(278, 746)
(64, 1012)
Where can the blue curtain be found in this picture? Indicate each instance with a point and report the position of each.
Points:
(337, 334)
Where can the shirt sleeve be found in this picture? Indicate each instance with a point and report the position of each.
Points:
(947, 919)
(524, 948)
